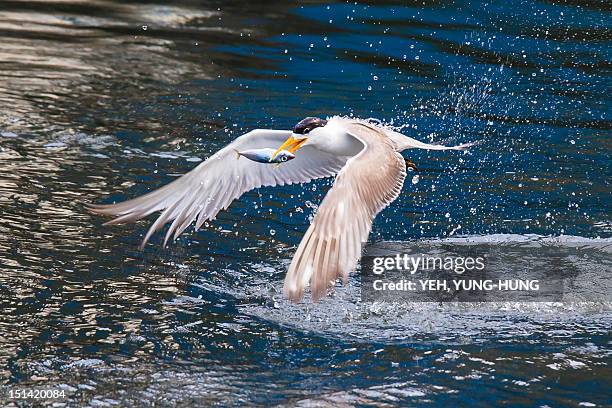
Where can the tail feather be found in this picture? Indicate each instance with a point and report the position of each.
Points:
(463, 146)
(403, 142)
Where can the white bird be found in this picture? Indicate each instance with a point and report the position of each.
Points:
(370, 173)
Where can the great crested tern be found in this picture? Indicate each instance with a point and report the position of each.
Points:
(364, 157)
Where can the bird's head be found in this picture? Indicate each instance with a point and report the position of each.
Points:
(303, 132)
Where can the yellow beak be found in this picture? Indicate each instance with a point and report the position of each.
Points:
(291, 144)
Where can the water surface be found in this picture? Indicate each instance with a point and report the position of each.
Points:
(102, 101)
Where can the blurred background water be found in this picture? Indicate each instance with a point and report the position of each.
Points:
(103, 100)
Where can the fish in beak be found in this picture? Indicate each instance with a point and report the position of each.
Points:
(293, 143)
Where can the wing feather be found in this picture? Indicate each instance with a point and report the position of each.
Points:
(212, 186)
(332, 244)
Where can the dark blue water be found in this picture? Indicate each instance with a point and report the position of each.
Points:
(104, 101)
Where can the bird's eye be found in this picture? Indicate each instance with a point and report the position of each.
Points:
(284, 158)
(306, 131)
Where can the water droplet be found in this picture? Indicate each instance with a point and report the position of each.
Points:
(272, 232)
(572, 141)
(369, 88)
(144, 27)
(415, 179)
(375, 77)
(447, 215)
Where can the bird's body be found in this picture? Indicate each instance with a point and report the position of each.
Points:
(370, 173)
(335, 138)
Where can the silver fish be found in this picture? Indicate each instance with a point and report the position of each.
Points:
(265, 155)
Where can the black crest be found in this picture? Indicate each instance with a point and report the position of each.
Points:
(306, 125)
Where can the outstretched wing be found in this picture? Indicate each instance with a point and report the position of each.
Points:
(211, 187)
(332, 244)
